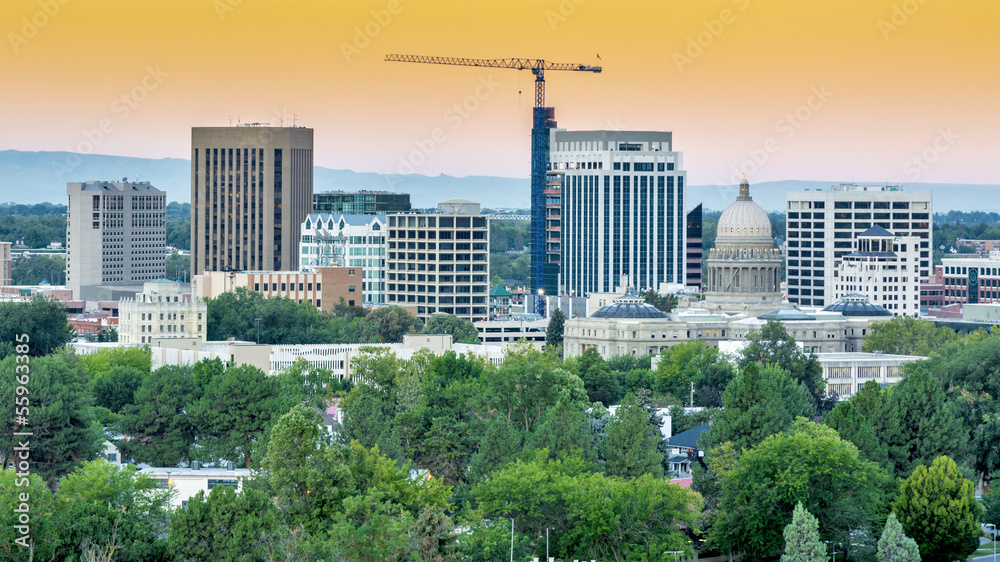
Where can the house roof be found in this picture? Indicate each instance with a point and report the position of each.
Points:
(499, 291)
(689, 438)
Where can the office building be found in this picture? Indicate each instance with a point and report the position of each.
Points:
(971, 280)
(883, 267)
(622, 209)
(361, 202)
(347, 241)
(322, 287)
(441, 262)
(694, 256)
(846, 373)
(821, 227)
(6, 264)
(251, 189)
(161, 310)
(115, 234)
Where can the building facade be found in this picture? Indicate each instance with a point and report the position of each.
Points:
(161, 310)
(361, 202)
(6, 264)
(885, 268)
(621, 209)
(440, 263)
(347, 241)
(251, 189)
(821, 227)
(116, 233)
(322, 287)
(847, 373)
(971, 280)
(694, 256)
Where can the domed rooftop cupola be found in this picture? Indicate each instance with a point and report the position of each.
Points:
(629, 305)
(744, 221)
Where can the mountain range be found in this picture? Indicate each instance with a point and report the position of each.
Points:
(37, 177)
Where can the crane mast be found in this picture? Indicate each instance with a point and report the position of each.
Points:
(542, 122)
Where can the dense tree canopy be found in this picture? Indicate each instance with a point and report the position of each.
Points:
(905, 335)
(773, 345)
(39, 327)
(460, 329)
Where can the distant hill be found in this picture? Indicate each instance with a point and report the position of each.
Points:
(36, 177)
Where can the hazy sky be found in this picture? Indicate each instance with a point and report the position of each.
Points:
(874, 90)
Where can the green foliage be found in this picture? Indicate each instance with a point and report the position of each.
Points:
(100, 362)
(38, 230)
(566, 431)
(57, 406)
(928, 426)
(512, 269)
(808, 464)
(601, 383)
(761, 401)
(178, 266)
(225, 526)
(158, 430)
(871, 421)
(434, 534)
(368, 415)
(681, 421)
(938, 509)
(554, 331)
(991, 502)
(666, 303)
(45, 518)
(773, 345)
(527, 384)
(630, 448)
(235, 410)
(32, 270)
(905, 335)
(693, 362)
(390, 323)
(500, 444)
(802, 542)
(301, 383)
(42, 321)
(460, 329)
(116, 389)
(894, 545)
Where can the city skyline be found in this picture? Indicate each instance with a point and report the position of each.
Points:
(887, 90)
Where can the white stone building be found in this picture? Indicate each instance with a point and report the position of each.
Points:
(883, 267)
(846, 373)
(161, 310)
(347, 240)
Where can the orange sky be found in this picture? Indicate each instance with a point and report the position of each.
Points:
(902, 79)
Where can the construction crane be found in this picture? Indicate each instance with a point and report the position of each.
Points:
(543, 120)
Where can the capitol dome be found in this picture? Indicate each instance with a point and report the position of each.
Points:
(744, 220)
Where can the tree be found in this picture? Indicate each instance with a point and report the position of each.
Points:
(116, 390)
(37, 328)
(991, 503)
(434, 535)
(156, 428)
(56, 409)
(461, 330)
(905, 335)
(32, 270)
(565, 431)
(390, 323)
(178, 265)
(226, 526)
(554, 331)
(235, 411)
(810, 464)
(938, 508)
(802, 543)
(528, 383)
(761, 401)
(870, 420)
(666, 303)
(630, 448)
(692, 362)
(601, 383)
(773, 345)
(100, 362)
(928, 426)
(39, 537)
(894, 545)
(368, 416)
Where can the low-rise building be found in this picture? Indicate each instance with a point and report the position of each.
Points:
(513, 330)
(846, 373)
(187, 482)
(499, 302)
(971, 280)
(161, 310)
(323, 287)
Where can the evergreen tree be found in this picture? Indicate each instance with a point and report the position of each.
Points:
(774, 345)
(894, 545)
(37, 328)
(434, 534)
(223, 525)
(928, 426)
(870, 421)
(802, 542)
(938, 508)
(156, 428)
(631, 446)
(461, 330)
(554, 331)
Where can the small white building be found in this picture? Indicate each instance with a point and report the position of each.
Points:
(193, 479)
(161, 310)
(347, 240)
(885, 268)
(846, 373)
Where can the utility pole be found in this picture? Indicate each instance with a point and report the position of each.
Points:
(692, 394)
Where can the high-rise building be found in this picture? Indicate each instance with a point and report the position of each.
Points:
(441, 262)
(821, 227)
(115, 233)
(622, 209)
(251, 188)
(347, 240)
(361, 202)
(6, 264)
(883, 267)
(694, 249)
(161, 310)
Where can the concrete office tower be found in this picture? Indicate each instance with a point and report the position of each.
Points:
(440, 263)
(885, 268)
(622, 208)
(347, 240)
(251, 188)
(115, 234)
(6, 263)
(821, 227)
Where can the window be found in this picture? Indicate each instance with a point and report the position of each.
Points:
(350, 288)
(230, 482)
